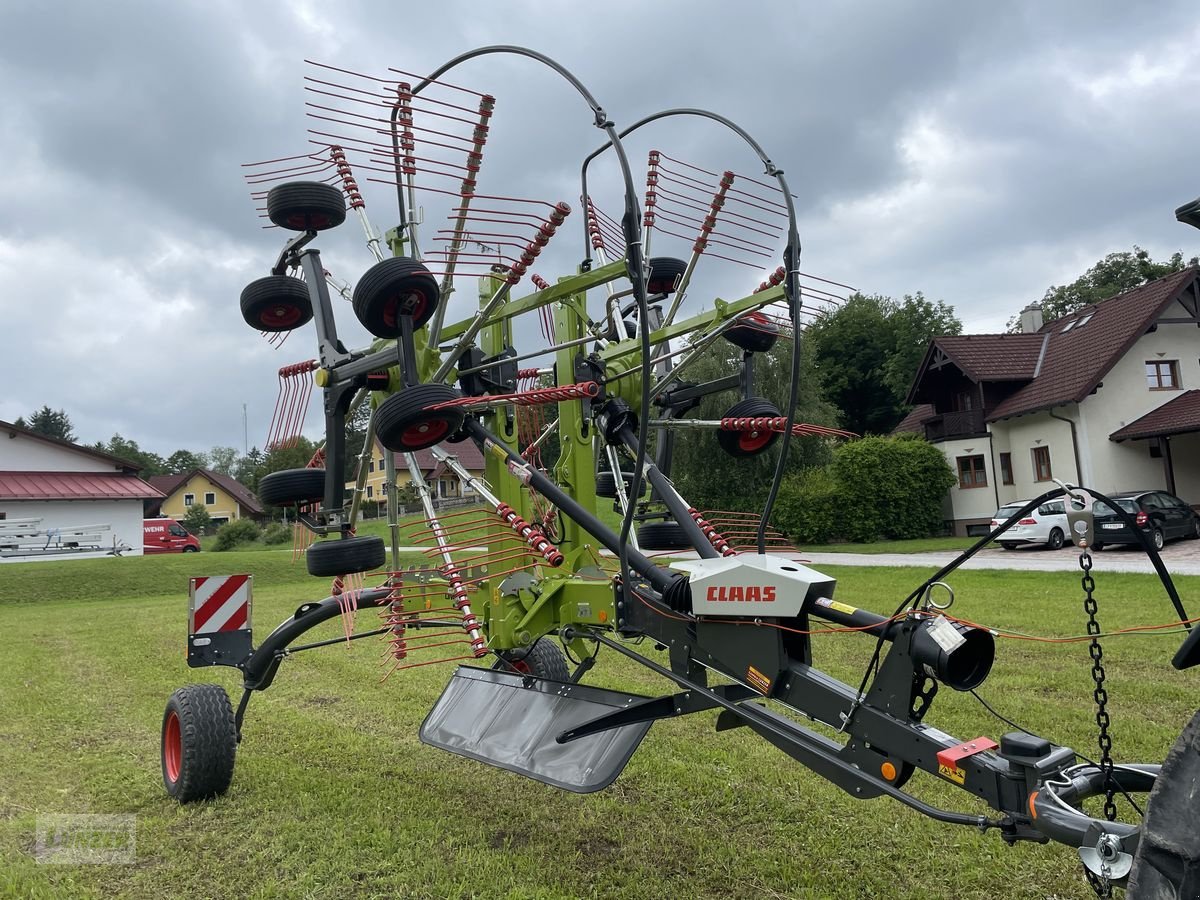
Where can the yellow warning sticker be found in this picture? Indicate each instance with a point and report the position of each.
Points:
(954, 773)
(758, 680)
(842, 607)
(496, 449)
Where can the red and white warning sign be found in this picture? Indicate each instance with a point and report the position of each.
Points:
(219, 603)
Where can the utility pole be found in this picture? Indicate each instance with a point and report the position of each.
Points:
(245, 433)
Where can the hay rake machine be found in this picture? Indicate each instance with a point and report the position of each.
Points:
(535, 577)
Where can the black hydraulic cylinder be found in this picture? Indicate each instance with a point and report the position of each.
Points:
(676, 504)
(660, 579)
(962, 668)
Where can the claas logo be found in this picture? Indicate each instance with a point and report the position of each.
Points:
(738, 594)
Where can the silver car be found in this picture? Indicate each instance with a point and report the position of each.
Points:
(1046, 525)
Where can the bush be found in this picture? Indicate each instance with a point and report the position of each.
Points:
(196, 519)
(235, 533)
(276, 533)
(876, 487)
(808, 506)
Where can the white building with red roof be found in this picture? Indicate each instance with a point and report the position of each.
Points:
(61, 500)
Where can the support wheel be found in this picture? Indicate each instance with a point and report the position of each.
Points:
(741, 444)
(288, 486)
(753, 332)
(1056, 539)
(199, 743)
(405, 423)
(345, 556)
(393, 288)
(276, 303)
(1167, 861)
(606, 484)
(663, 273)
(543, 660)
(663, 536)
(306, 206)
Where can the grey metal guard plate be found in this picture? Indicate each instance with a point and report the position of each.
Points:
(511, 721)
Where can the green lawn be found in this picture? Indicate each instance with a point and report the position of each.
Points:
(334, 796)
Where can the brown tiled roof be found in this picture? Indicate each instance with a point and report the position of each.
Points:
(470, 457)
(1075, 362)
(1177, 416)
(168, 484)
(994, 357)
(915, 420)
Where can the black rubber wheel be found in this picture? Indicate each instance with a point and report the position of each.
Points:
(345, 556)
(191, 549)
(1009, 545)
(199, 743)
(754, 332)
(1157, 539)
(276, 303)
(1056, 539)
(606, 484)
(306, 206)
(543, 660)
(1167, 861)
(663, 273)
(743, 444)
(404, 423)
(1097, 547)
(663, 536)
(288, 486)
(1194, 534)
(393, 288)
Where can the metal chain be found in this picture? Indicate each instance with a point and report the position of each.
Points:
(1100, 885)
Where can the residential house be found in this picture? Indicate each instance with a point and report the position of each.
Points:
(444, 483)
(1107, 397)
(60, 499)
(225, 497)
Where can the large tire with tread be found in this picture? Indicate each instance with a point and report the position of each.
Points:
(306, 206)
(1166, 864)
(742, 444)
(393, 288)
(345, 556)
(663, 536)
(288, 486)
(753, 332)
(276, 303)
(663, 273)
(199, 743)
(543, 660)
(404, 423)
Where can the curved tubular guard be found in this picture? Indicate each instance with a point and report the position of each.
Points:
(631, 225)
(260, 668)
(791, 262)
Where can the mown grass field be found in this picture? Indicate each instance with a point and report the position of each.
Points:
(334, 796)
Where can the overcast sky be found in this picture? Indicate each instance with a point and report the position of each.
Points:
(976, 152)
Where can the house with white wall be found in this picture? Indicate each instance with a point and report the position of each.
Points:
(1107, 397)
(65, 500)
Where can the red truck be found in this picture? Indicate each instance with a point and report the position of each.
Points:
(167, 536)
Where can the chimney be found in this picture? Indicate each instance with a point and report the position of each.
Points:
(1031, 319)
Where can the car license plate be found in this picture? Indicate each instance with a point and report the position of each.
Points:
(1113, 526)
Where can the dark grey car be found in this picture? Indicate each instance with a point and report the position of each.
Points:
(1159, 516)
